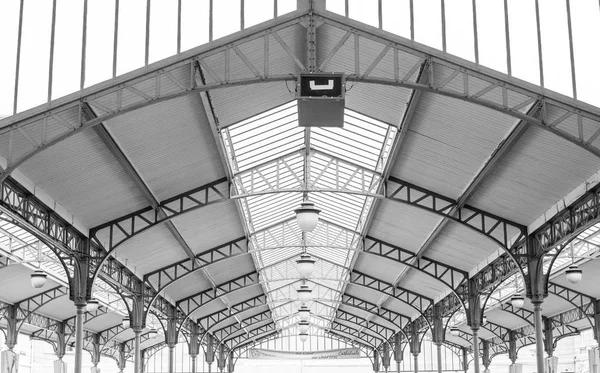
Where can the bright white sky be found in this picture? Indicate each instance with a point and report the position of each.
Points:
(37, 16)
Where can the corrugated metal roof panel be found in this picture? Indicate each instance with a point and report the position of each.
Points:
(210, 226)
(402, 225)
(82, 175)
(447, 142)
(171, 145)
(538, 171)
(150, 250)
(378, 267)
(461, 247)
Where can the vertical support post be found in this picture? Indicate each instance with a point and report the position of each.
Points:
(415, 345)
(122, 357)
(231, 362)
(375, 361)
(536, 291)
(138, 323)
(474, 320)
(548, 336)
(512, 346)
(11, 327)
(80, 291)
(143, 361)
(9, 358)
(171, 336)
(486, 355)
(60, 347)
(79, 337)
(137, 354)
(398, 355)
(438, 334)
(194, 345)
(465, 359)
(209, 354)
(96, 352)
(221, 358)
(385, 356)
(597, 322)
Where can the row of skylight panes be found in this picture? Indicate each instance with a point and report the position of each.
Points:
(269, 156)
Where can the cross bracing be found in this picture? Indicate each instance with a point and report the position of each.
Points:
(436, 234)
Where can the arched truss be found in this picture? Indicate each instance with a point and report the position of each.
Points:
(252, 333)
(192, 303)
(522, 313)
(234, 328)
(416, 301)
(162, 278)
(497, 346)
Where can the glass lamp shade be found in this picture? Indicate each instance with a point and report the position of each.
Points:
(304, 313)
(303, 337)
(307, 216)
(92, 305)
(454, 331)
(303, 326)
(38, 278)
(305, 265)
(574, 274)
(126, 322)
(152, 333)
(517, 301)
(304, 293)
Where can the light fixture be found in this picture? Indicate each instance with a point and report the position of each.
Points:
(92, 305)
(306, 265)
(304, 293)
(304, 313)
(152, 333)
(454, 331)
(303, 337)
(484, 320)
(574, 274)
(126, 322)
(38, 278)
(517, 301)
(303, 326)
(307, 216)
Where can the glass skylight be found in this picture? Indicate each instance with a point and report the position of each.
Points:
(276, 162)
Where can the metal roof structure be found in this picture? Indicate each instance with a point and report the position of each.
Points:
(176, 185)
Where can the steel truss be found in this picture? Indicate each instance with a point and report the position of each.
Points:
(522, 313)
(193, 302)
(500, 230)
(381, 330)
(278, 176)
(69, 245)
(448, 275)
(252, 333)
(359, 334)
(162, 278)
(231, 329)
(29, 306)
(412, 299)
(210, 321)
(382, 312)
